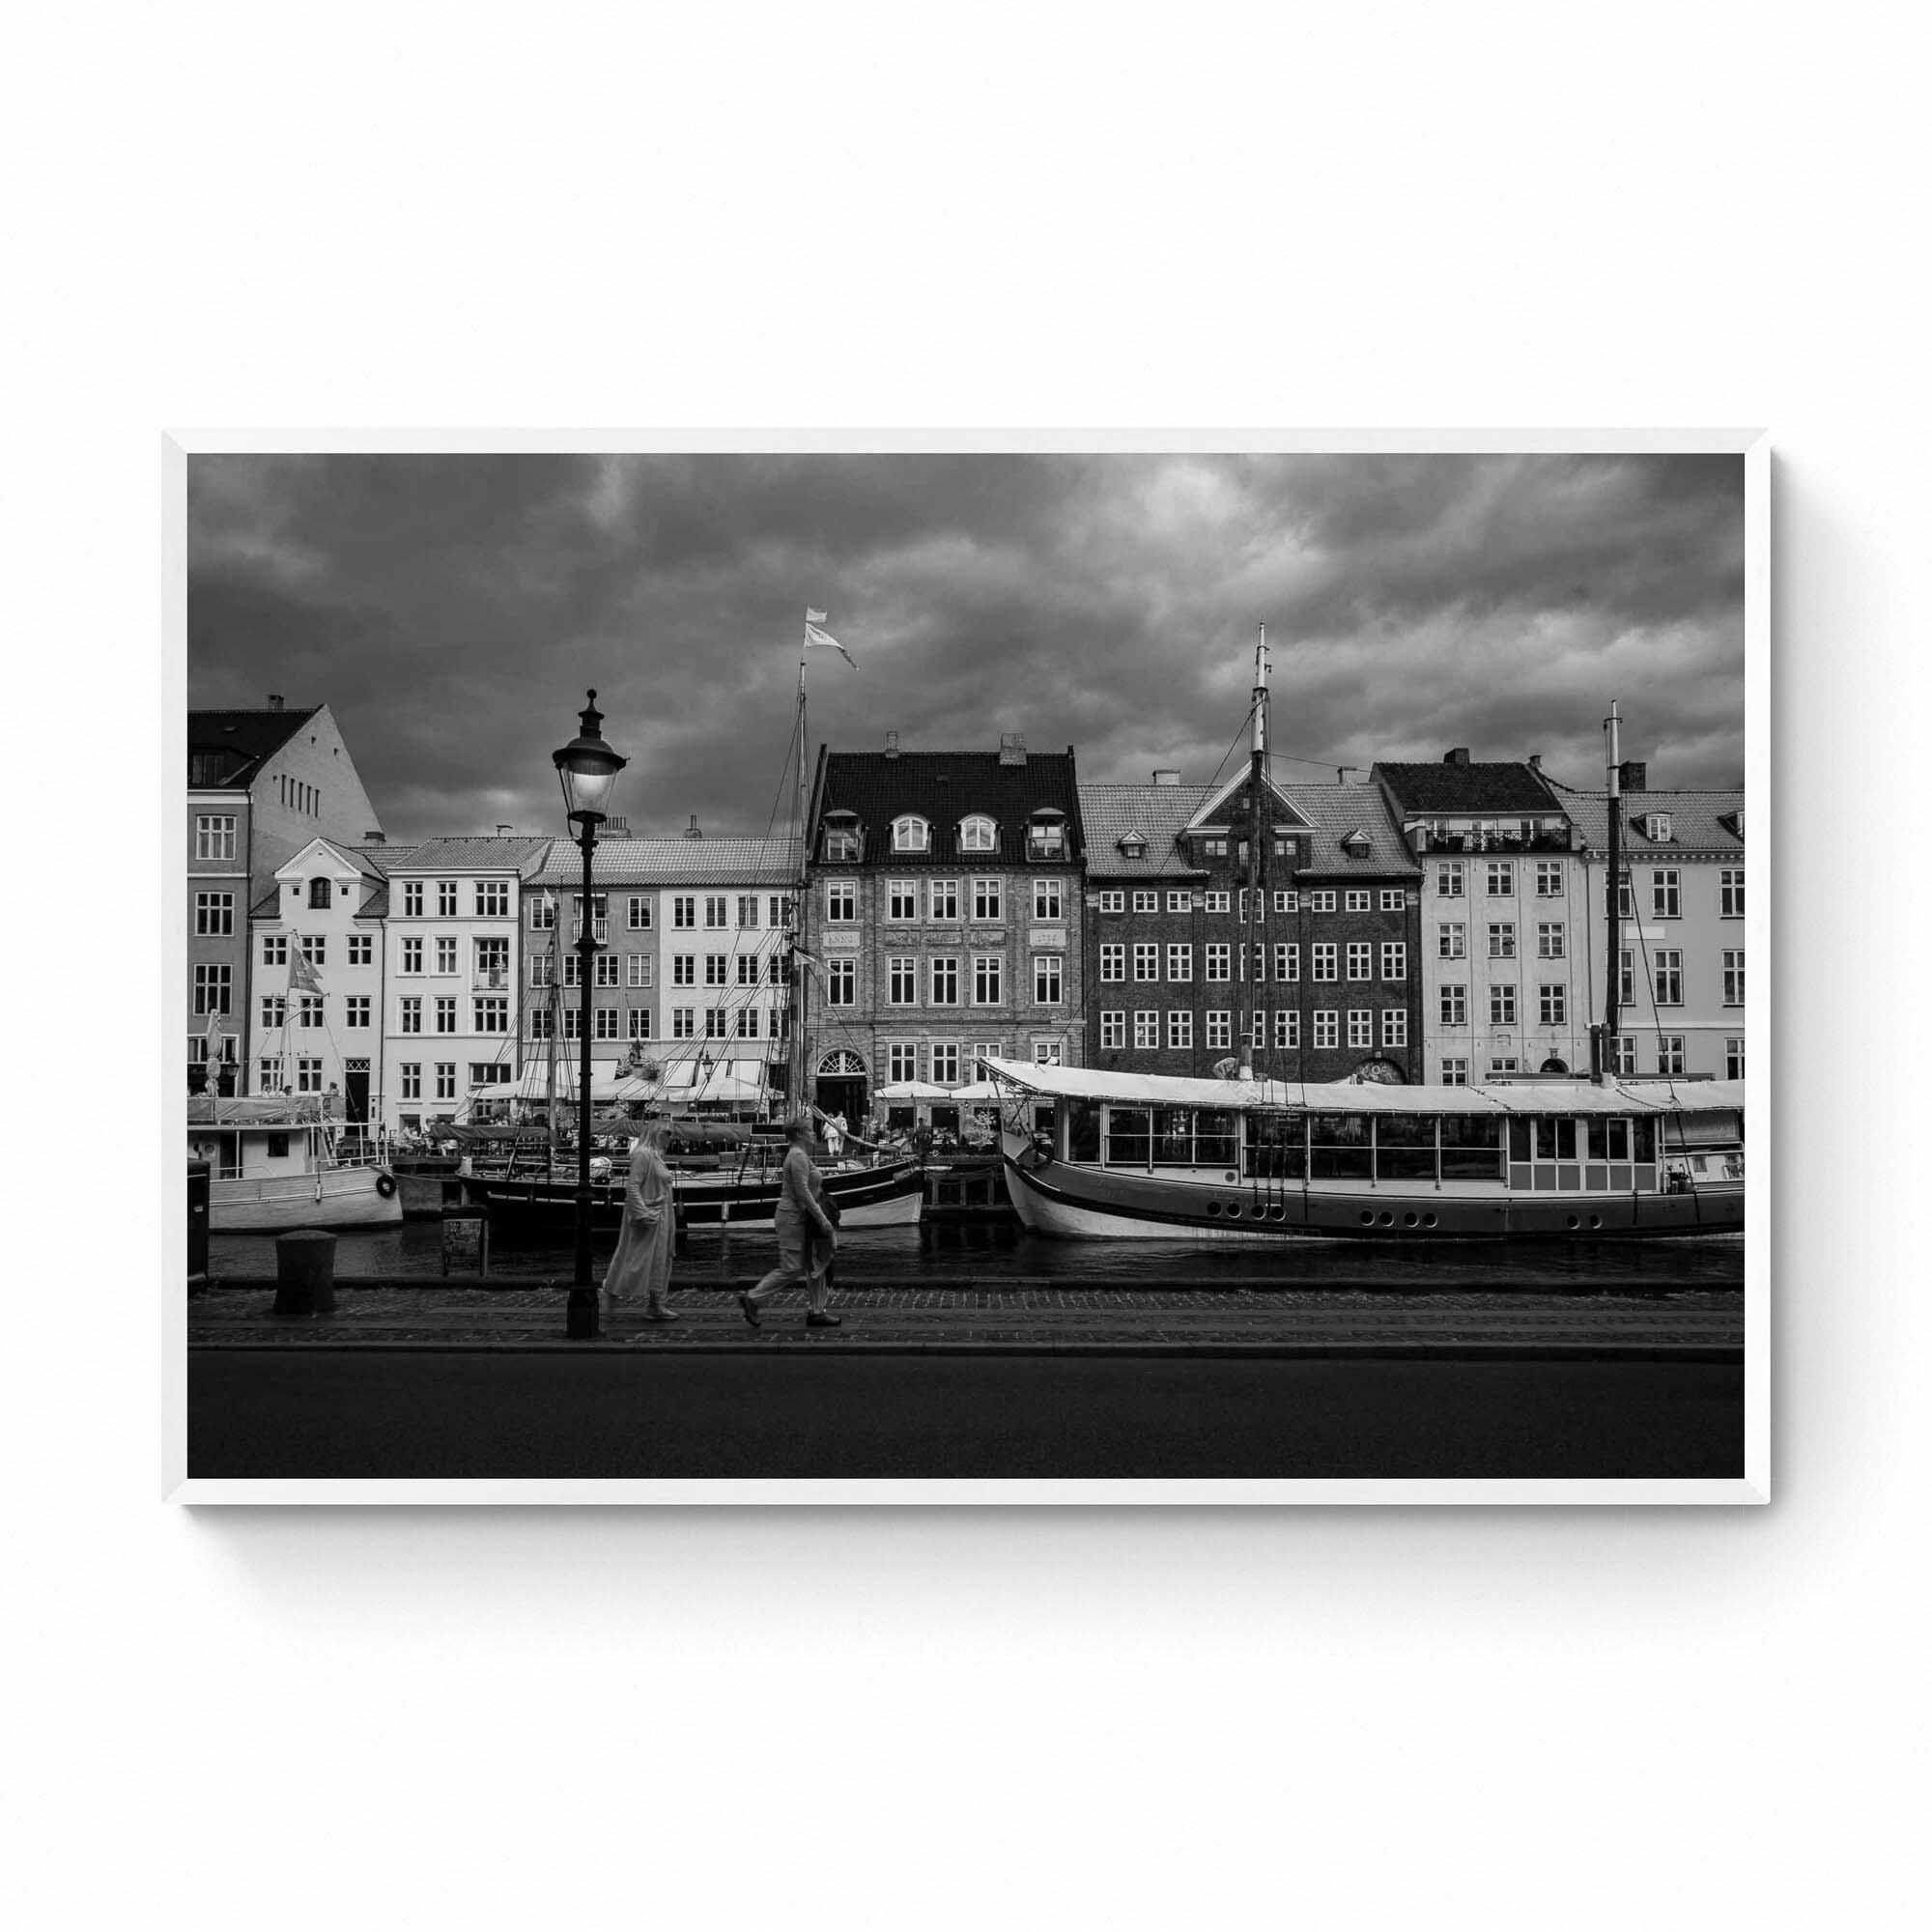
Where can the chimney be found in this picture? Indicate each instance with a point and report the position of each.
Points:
(690, 831)
(1166, 777)
(1632, 773)
(274, 700)
(1012, 747)
(613, 828)
(892, 744)
(1536, 761)
(1459, 757)
(375, 839)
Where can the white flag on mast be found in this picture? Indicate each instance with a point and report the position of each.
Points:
(814, 636)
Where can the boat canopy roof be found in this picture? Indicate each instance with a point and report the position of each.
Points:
(298, 1110)
(1369, 1096)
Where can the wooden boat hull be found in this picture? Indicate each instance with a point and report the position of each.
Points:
(1076, 1202)
(350, 1197)
(885, 1196)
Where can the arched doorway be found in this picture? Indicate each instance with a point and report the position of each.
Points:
(840, 1086)
(1553, 1066)
(1385, 1072)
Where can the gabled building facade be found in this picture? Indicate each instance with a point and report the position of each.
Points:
(1679, 951)
(325, 910)
(692, 981)
(261, 785)
(1187, 975)
(943, 908)
(1504, 938)
(453, 974)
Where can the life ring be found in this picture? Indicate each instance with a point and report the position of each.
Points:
(385, 1185)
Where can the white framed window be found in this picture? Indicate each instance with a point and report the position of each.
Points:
(308, 1076)
(1218, 1030)
(1287, 960)
(717, 970)
(841, 902)
(942, 900)
(1113, 960)
(748, 912)
(1670, 1053)
(1328, 1027)
(683, 1023)
(492, 898)
(637, 1023)
(361, 948)
(1179, 901)
(274, 949)
(214, 915)
(747, 1022)
(1046, 898)
(747, 969)
(1731, 894)
(355, 1011)
(491, 1014)
(1181, 1029)
(986, 987)
(901, 900)
(1666, 895)
(638, 968)
(683, 970)
(716, 1023)
(309, 1012)
(1287, 1029)
(1500, 881)
(411, 1014)
(1734, 1059)
(1283, 901)
(1501, 1065)
(446, 898)
(990, 901)
(1215, 848)
(1362, 959)
(214, 835)
(901, 1061)
(1323, 960)
(901, 980)
(540, 1021)
(1657, 827)
(1668, 976)
(315, 948)
(1147, 959)
(1453, 1006)
(638, 913)
(484, 1072)
(911, 834)
(1626, 979)
(1046, 838)
(445, 1079)
(1449, 880)
(1393, 899)
(1355, 901)
(1734, 979)
(841, 983)
(1146, 1027)
(1502, 938)
(542, 905)
(212, 986)
(1180, 961)
(1395, 959)
(684, 911)
(943, 981)
(945, 1056)
(1395, 1026)
(1113, 1029)
(275, 1011)
(1217, 960)
(1455, 1072)
(1147, 901)
(445, 954)
(1553, 1005)
(413, 1079)
(716, 911)
(541, 967)
(841, 844)
(1361, 1026)
(1549, 880)
(1502, 1005)
(1218, 902)
(1047, 1053)
(445, 1016)
(1047, 979)
(1550, 940)
(1113, 902)
(978, 834)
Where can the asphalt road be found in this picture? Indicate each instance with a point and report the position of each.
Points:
(342, 1413)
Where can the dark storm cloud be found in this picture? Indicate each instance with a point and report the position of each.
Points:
(452, 608)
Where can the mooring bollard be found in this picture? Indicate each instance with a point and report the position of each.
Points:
(306, 1273)
(466, 1244)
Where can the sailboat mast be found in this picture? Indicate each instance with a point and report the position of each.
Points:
(1613, 927)
(1252, 939)
(796, 1063)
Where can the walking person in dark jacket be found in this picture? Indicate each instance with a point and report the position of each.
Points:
(807, 1240)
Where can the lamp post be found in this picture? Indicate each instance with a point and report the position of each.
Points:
(586, 768)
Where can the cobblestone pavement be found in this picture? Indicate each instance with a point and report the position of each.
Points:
(1030, 1318)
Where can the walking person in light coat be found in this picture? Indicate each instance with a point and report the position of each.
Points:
(807, 1240)
(640, 1269)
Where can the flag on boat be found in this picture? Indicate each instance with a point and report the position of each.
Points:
(805, 958)
(814, 636)
(301, 975)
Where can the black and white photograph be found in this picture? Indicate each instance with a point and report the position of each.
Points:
(1095, 965)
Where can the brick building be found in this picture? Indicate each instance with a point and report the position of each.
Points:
(943, 905)
(1505, 962)
(1324, 969)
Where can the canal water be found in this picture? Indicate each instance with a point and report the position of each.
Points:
(1001, 1251)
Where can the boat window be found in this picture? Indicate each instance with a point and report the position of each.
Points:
(278, 1147)
(1405, 1147)
(1340, 1147)
(1472, 1147)
(1127, 1137)
(1643, 1139)
(1083, 1130)
(1174, 1137)
(1277, 1147)
(1556, 1137)
(1216, 1136)
(1522, 1136)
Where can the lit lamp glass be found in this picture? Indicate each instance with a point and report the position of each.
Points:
(588, 767)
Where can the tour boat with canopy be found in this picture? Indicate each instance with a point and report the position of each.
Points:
(280, 1163)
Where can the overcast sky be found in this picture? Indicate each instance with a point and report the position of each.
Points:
(451, 610)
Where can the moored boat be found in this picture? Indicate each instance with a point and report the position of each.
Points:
(278, 1164)
(1142, 1157)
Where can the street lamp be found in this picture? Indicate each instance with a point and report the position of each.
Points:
(586, 768)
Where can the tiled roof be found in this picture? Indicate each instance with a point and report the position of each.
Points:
(663, 861)
(944, 787)
(1154, 812)
(375, 860)
(1696, 819)
(520, 853)
(1160, 813)
(246, 736)
(1475, 788)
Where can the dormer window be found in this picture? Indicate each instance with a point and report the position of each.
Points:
(911, 834)
(1657, 827)
(1357, 844)
(978, 834)
(319, 894)
(839, 842)
(1132, 845)
(1046, 835)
